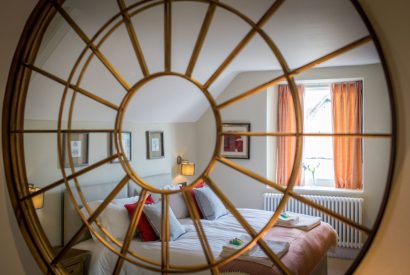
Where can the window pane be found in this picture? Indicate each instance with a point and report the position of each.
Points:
(318, 168)
(318, 159)
(317, 109)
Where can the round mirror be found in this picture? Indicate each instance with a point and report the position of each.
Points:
(181, 136)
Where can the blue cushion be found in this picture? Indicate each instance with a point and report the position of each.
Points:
(211, 206)
(153, 214)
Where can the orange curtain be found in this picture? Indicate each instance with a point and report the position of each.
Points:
(287, 124)
(347, 107)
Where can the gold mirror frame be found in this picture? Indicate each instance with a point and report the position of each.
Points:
(13, 134)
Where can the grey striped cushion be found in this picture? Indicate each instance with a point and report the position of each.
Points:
(178, 206)
(153, 214)
(211, 206)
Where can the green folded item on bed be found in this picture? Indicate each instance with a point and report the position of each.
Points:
(255, 253)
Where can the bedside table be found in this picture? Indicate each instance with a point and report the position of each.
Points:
(75, 261)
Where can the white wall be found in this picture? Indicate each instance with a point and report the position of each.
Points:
(252, 111)
(43, 166)
(389, 252)
(261, 111)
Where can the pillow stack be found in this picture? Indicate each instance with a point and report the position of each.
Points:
(145, 230)
(116, 219)
(154, 214)
(209, 206)
(149, 225)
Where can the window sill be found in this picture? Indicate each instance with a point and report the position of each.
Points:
(319, 190)
(323, 190)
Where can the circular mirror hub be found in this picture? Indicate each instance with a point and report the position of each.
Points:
(165, 108)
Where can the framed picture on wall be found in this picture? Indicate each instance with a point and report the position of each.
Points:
(235, 146)
(126, 145)
(155, 144)
(78, 148)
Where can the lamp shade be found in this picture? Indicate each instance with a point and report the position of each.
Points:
(187, 168)
(38, 200)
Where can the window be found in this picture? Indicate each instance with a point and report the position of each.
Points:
(317, 163)
(330, 161)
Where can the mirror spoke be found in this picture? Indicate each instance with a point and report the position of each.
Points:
(329, 212)
(91, 46)
(74, 175)
(252, 92)
(131, 230)
(167, 34)
(165, 233)
(133, 37)
(294, 72)
(114, 241)
(250, 174)
(201, 38)
(281, 134)
(51, 131)
(242, 44)
(193, 212)
(91, 219)
(293, 194)
(360, 42)
(70, 243)
(256, 134)
(111, 30)
(263, 245)
(74, 87)
(109, 198)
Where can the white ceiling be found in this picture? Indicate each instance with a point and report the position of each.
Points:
(302, 29)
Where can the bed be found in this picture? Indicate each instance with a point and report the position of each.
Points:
(306, 255)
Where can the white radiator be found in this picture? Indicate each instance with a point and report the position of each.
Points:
(351, 208)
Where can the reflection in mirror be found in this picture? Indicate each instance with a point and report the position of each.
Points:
(171, 134)
(163, 115)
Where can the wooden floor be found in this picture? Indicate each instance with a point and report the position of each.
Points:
(336, 266)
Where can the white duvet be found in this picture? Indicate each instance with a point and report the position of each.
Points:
(186, 250)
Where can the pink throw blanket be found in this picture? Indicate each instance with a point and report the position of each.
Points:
(306, 250)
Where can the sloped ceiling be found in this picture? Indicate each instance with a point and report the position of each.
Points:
(303, 31)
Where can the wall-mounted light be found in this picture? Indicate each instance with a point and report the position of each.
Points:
(38, 200)
(187, 167)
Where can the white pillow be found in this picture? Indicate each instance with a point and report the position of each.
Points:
(171, 187)
(114, 218)
(124, 201)
(157, 197)
(178, 205)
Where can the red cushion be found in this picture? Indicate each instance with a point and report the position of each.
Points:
(200, 184)
(146, 231)
(149, 200)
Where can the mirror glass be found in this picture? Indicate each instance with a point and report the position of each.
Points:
(344, 105)
(164, 114)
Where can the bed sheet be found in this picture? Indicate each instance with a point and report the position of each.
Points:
(305, 246)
